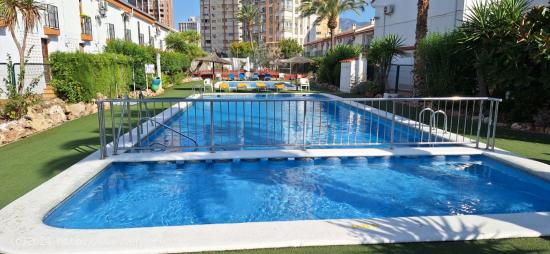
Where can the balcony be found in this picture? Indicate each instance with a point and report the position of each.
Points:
(86, 24)
(51, 21)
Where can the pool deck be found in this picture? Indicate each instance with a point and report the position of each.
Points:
(23, 231)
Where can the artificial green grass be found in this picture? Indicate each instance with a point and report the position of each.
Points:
(28, 163)
(506, 246)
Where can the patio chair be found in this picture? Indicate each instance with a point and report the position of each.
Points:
(280, 87)
(304, 83)
(231, 76)
(224, 87)
(218, 76)
(261, 86)
(255, 76)
(267, 77)
(242, 86)
(281, 76)
(241, 76)
(207, 83)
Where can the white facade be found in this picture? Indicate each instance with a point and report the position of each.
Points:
(64, 32)
(399, 17)
(359, 36)
(192, 24)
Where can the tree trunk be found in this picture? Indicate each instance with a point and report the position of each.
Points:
(332, 24)
(421, 32)
(481, 84)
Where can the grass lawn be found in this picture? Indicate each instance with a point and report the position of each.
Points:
(28, 163)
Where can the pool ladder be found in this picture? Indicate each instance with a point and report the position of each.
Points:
(432, 123)
(155, 122)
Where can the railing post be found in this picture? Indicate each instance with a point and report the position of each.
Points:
(212, 143)
(495, 126)
(129, 114)
(113, 128)
(392, 124)
(479, 121)
(101, 119)
(397, 72)
(304, 127)
(489, 125)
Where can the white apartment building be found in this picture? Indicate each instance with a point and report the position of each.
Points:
(80, 25)
(359, 36)
(192, 24)
(399, 17)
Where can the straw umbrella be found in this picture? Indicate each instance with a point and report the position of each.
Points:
(296, 60)
(214, 59)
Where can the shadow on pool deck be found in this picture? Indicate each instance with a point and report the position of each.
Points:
(437, 229)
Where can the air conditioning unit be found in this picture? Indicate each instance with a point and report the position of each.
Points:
(388, 9)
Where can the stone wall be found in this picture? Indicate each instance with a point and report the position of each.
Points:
(42, 117)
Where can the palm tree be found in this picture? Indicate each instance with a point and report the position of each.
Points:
(421, 32)
(247, 14)
(330, 10)
(488, 27)
(29, 10)
(381, 53)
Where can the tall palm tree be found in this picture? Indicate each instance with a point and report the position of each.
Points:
(247, 14)
(29, 11)
(421, 32)
(330, 10)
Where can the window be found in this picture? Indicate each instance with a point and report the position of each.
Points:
(86, 25)
(111, 31)
(141, 39)
(51, 18)
(128, 35)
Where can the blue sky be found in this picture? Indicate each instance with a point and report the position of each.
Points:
(185, 8)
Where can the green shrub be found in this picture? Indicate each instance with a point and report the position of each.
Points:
(368, 88)
(174, 62)
(79, 76)
(140, 55)
(448, 69)
(16, 107)
(329, 66)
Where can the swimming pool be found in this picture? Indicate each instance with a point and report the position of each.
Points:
(283, 120)
(128, 195)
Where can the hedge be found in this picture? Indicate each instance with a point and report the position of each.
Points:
(80, 76)
(140, 56)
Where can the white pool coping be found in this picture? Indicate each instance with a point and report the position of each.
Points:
(23, 231)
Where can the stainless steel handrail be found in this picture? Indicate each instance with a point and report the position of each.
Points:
(237, 122)
(170, 128)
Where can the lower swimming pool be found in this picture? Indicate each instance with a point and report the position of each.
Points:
(129, 195)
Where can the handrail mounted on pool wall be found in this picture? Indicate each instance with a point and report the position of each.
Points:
(251, 121)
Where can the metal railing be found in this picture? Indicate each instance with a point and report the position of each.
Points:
(236, 122)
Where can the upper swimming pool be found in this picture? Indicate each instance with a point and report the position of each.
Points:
(275, 121)
(252, 84)
(129, 195)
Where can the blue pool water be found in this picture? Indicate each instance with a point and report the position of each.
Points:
(127, 195)
(274, 122)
